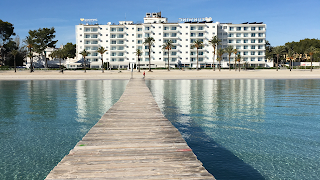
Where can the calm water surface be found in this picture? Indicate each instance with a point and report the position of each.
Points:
(247, 129)
(239, 129)
(41, 121)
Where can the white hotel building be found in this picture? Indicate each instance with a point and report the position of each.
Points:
(122, 39)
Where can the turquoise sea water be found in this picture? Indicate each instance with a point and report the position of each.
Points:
(239, 129)
(247, 129)
(41, 121)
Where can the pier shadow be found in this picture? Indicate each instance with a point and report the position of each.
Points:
(219, 161)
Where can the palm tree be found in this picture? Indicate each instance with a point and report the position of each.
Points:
(311, 51)
(239, 59)
(197, 44)
(235, 51)
(101, 50)
(168, 46)
(139, 53)
(149, 41)
(220, 53)
(14, 53)
(290, 55)
(229, 50)
(214, 42)
(84, 53)
(29, 41)
(278, 51)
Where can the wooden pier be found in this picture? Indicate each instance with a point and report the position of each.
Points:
(133, 140)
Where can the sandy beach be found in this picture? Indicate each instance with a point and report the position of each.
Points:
(161, 74)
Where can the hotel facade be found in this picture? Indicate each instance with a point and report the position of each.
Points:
(123, 39)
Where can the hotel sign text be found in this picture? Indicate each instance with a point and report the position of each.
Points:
(195, 19)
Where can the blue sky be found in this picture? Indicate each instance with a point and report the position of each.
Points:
(287, 20)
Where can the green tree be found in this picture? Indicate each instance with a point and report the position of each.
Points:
(278, 50)
(43, 38)
(290, 56)
(220, 53)
(60, 54)
(149, 41)
(14, 53)
(239, 59)
(311, 51)
(70, 50)
(230, 50)
(29, 41)
(214, 42)
(235, 51)
(101, 50)
(84, 53)
(6, 31)
(168, 46)
(198, 45)
(138, 53)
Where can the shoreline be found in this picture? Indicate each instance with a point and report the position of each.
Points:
(160, 74)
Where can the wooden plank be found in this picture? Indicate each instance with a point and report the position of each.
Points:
(133, 140)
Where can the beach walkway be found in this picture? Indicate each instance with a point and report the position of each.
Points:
(133, 140)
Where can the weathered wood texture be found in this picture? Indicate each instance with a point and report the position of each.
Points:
(133, 140)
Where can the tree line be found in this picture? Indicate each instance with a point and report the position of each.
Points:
(13, 53)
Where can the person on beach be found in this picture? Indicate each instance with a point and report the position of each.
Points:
(144, 74)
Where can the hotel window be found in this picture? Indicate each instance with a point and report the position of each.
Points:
(192, 40)
(120, 54)
(166, 35)
(174, 35)
(94, 42)
(238, 41)
(106, 28)
(120, 47)
(173, 59)
(193, 53)
(94, 30)
(120, 42)
(260, 34)
(121, 59)
(140, 47)
(80, 28)
(253, 47)
(139, 41)
(87, 29)
(87, 36)
(231, 28)
(253, 53)
(200, 35)
(200, 59)
(186, 39)
(94, 36)
(165, 59)
(238, 47)
(174, 41)
(260, 59)
(253, 40)
(245, 52)
(87, 48)
(253, 28)
(260, 47)
(146, 35)
(260, 28)
(159, 39)
(87, 42)
(173, 28)
(166, 28)
(139, 35)
(175, 47)
(231, 35)
(146, 47)
(245, 41)
(230, 41)
(106, 34)
(192, 28)
(146, 59)
(238, 34)
(245, 59)
(253, 34)
(139, 29)
(245, 28)
(200, 53)
(260, 52)
(238, 28)
(132, 40)
(113, 29)
(193, 34)
(120, 35)
(113, 54)
(224, 27)
(113, 47)
(260, 41)
(146, 53)
(245, 34)
(245, 47)
(253, 59)
(173, 53)
(106, 40)
(213, 26)
(147, 28)
(200, 28)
